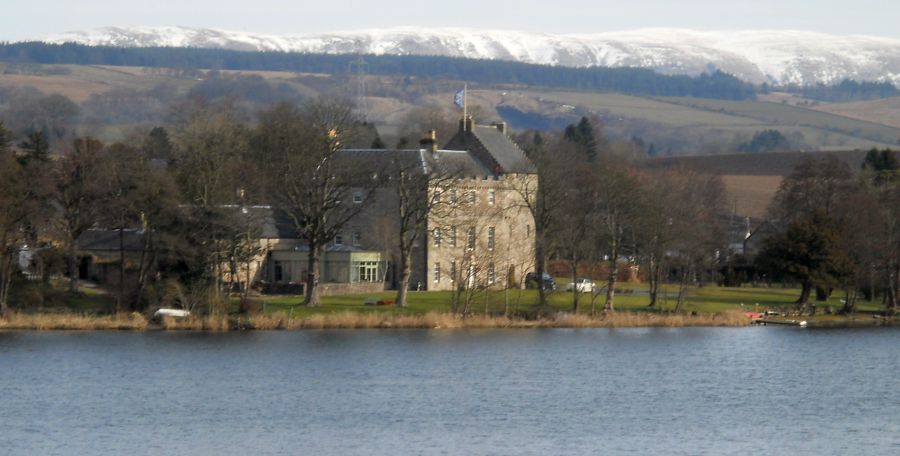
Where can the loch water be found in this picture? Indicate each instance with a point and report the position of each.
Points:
(684, 391)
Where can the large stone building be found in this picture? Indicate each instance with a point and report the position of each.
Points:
(480, 235)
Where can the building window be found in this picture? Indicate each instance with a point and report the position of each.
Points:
(339, 239)
(437, 272)
(453, 270)
(452, 236)
(490, 238)
(436, 234)
(357, 198)
(279, 271)
(528, 231)
(357, 238)
(453, 196)
(491, 197)
(472, 197)
(364, 271)
(470, 239)
(491, 274)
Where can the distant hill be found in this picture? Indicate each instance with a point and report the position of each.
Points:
(640, 81)
(759, 56)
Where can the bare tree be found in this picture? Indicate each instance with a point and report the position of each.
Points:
(210, 157)
(311, 181)
(79, 188)
(617, 215)
(679, 225)
(422, 189)
(14, 210)
(542, 198)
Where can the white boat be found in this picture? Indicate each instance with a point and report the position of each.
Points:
(171, 313)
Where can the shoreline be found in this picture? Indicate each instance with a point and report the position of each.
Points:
(431, 320)
(353, 320)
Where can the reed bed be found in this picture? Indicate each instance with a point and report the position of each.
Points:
(361, 320)
(70, 321)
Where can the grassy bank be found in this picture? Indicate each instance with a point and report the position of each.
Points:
(707, 306)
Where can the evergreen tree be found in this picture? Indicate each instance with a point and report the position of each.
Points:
(157, 144)
(36, 145)
(582, 134)
(377, 143)
(766, 141)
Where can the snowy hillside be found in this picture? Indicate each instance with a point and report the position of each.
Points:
(779, 57)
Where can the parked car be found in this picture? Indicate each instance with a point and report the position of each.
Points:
(531, 281)
(583, 285)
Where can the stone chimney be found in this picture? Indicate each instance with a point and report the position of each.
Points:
(500, 126)
(466, 124)
(429, 141)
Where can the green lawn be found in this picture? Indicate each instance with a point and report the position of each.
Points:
(709, 299)
(631, 297)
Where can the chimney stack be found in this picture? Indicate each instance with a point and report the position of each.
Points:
(429, 141)
(466, 124)
(500, 126)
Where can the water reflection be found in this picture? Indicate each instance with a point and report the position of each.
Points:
(548, 391)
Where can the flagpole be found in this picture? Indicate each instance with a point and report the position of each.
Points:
(465, 99)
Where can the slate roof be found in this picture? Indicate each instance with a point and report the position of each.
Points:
(273, 224)
(108, 240)
(510, 157)
(493, 149)
(456, 162)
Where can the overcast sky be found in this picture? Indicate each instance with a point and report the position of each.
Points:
(23, 19)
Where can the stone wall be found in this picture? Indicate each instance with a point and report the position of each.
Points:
(331, 289)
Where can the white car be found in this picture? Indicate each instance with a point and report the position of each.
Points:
(583, 285)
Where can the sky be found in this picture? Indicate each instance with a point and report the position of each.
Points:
(30, 19)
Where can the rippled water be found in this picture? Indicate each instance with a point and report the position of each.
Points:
(633, 391)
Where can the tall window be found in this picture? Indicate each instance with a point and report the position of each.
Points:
(357, 238)
(339, 239)
(364, 271)
(470, 239)
(436, 234)
(279, 271)
(492, 197)
(357, 198)
(472, 197)
(528, 231)
(490, 238)
(437, 272)
(491, 274)
(452, 236)
(453, 270)
(453, 196)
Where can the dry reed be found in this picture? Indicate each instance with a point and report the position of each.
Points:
(69, 321)
(351, 320)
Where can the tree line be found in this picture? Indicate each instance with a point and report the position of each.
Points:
(836, 230)
(189, 189)
(637, 81)
(829, 229)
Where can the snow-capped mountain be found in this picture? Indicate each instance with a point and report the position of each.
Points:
(776, 57)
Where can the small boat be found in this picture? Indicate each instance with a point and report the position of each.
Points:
(171, 313)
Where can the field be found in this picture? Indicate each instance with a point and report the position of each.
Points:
(787, 115)
(751, 195)
(885, 111)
